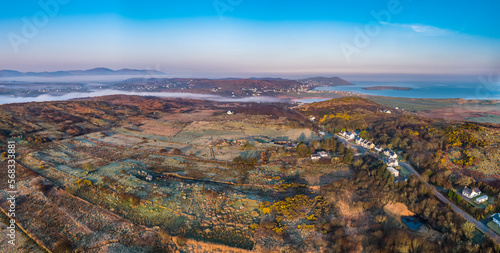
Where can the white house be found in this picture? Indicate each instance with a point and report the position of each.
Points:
(481, 199)
(392, 162)
(350, 136)
(390, 154)
(312, 118)
(323, 154)
(368, 144)
(471, 193)
(387, 111)
(315, 157)
(393, 171)
(358, 140)
(496, 218)
(342, 133)
(378, 148)
(230, 112)
(149, 178)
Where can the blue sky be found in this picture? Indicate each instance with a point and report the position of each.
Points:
(251, 38)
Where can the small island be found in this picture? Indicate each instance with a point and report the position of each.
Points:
(386, 88)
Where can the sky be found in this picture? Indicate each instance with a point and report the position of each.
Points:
(221, 38)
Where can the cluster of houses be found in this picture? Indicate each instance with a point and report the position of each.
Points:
(391, 159)
(364, 143)
(360, 141)
(391, 156)
(472, 193)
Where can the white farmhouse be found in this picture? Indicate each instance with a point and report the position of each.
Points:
(471, 193)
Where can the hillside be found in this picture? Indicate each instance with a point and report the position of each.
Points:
(347, 112)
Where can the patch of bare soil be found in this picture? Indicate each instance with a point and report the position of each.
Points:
(397, 210)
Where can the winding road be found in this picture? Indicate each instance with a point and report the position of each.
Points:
(479, 225)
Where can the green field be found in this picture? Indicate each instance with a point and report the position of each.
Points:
(494, 227)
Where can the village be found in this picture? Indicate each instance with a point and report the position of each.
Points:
(389, 157)
(472, 196)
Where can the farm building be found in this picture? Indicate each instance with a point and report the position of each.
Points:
(315, 157)
(481, 199)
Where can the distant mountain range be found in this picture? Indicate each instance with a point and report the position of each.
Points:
(90, 72)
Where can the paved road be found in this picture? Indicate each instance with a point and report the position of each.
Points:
(479, 225)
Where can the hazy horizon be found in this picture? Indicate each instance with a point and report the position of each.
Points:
(254, 38)
(348, 77)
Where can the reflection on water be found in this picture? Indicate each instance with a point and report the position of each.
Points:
(73, 95)
(412, 222)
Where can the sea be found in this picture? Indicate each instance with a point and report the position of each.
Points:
(482, 89)
(488, 89)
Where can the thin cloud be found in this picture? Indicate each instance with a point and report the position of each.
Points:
(423, 29)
